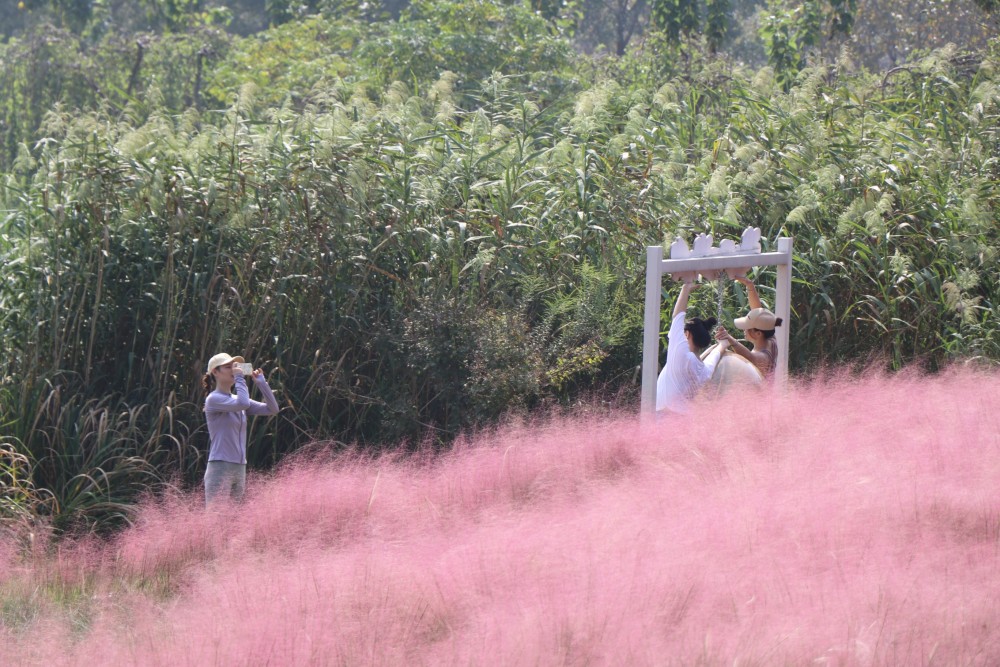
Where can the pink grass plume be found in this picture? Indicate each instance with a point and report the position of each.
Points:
(846, 521)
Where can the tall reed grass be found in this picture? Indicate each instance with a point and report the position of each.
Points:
(414, 260)
(848, 521)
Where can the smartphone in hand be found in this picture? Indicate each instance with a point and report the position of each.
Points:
(246, 368)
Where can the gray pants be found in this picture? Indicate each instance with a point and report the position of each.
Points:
(224, 481)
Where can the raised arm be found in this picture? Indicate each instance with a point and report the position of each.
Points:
(217, 402)
(270, 404)
(682, 300)
(752, 295)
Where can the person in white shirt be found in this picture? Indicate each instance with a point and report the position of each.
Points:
(684, 373)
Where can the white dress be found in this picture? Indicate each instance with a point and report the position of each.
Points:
(684, 372)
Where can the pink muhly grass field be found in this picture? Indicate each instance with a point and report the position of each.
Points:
(843, 522)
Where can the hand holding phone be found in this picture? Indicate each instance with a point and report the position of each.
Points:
(246, 368)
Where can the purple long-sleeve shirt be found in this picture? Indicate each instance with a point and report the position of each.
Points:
(227, 422)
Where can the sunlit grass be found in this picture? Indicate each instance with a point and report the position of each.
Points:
(851, 520)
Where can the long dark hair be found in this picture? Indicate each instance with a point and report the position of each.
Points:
(769, 333)
(208, 383)
(701, 331)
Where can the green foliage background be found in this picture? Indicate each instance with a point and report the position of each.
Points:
(416, 226)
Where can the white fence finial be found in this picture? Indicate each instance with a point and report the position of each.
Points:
(750, 241)
(702, 245)
(679, 249)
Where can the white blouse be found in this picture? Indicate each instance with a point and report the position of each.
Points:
(684, 372)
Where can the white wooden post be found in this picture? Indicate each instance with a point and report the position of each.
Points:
(709, 260)
(783, 309)
(651, 329)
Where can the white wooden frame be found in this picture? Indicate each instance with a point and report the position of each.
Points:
(685, 265)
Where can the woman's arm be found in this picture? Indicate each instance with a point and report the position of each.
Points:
(752, 295)
(712, 360)
(682, 300)
(754, 357)
(216, 402)
(270, 404)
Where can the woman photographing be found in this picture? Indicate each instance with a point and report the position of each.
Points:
(226, 415)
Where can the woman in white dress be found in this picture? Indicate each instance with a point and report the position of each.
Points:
(684, 373)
